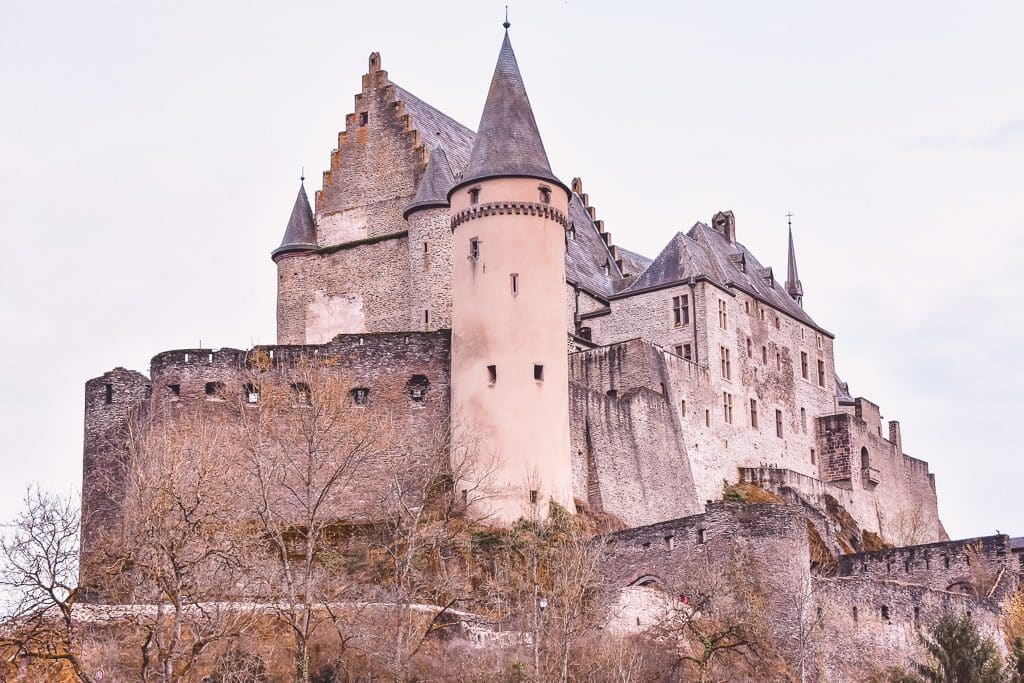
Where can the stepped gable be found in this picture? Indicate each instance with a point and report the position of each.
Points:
(437, 180)
(508, 143)
(300, 234)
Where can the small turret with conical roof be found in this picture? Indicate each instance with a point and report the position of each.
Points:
(434, 186)
(510, 373)
(300, 235)
(430, 246)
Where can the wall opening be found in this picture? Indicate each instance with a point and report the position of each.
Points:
(108, 397)
(214, 389)
(778, 423)
(492, 374)
(360, 396)
(474, 195)
(474, 248)
(545, 194)
(865, 458)
(303, 396)
(364, 118)
(174, 389)
(612, 393)
(533, 497)
(417, 387)
(250, 394)
(514, 282)
(538, 372)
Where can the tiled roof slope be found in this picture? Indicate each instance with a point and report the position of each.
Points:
(706, 253)
(437, 128)
(587, 255)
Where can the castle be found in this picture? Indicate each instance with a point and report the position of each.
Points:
(451, 273)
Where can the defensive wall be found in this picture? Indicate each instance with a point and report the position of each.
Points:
(399, 382)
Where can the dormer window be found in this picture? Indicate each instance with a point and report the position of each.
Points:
(545, 194)
(474, 195)
(572, 231)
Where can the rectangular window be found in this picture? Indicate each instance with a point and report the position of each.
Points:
(723, 318)
(364, 118)
(251, 394)
(175, 389)
(819, 341)
(682, 408)
(778, 325)
(778, 423)
(687, 352)
(803, 420)
(474, 248)
(538, 372)
(678, 350)
(492, 373)
(109, 397)
(303, 396)
(681, 310)
(514, 278)
(426, 317)
(727, 407)
(474, 195)
(750, 348)
(764, 355)
(821, 373)
(803, 365)
(726, 363)
(753, 413)
(533, 497)
(746, 307)
(707, 417)
(778, 360)
(545, 194)
(360, 396)
(814, 457)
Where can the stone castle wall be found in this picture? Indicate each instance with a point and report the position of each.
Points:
(361, 287)
(406, 374)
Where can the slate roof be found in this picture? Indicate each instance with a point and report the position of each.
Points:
(437, 129)
(508, 142)
(843, 394)
(437, 180)
(300, 234)
(587, 254)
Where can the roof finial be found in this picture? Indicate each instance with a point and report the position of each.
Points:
(506, 23)
(789, 219)
(302, 176)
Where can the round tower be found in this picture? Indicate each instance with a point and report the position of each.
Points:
(299, 240)
(510, 398)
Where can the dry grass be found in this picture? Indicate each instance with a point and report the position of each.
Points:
(748, 494)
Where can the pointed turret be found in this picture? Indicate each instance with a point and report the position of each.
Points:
(434, 186)
(793, 286)
(507, 142)
(300, 235)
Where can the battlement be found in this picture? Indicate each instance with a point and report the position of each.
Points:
(983, 566)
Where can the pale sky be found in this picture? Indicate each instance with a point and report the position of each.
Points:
(150, 153)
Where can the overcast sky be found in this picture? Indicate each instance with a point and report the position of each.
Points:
(150, 153)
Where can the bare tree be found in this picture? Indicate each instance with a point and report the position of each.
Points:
(425, 536)
(305, 433)
(716, 619)
(177, 549)
(38, 579)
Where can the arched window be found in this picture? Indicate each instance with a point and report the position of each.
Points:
(865, 459)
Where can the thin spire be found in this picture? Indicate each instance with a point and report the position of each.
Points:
(300, 234)
(793, 286)
(507, 142)
(507, 24)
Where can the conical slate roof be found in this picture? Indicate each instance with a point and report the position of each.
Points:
(507, 140)
(300, 235)
(437, 180)
(793, 286)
